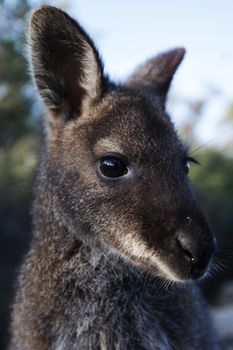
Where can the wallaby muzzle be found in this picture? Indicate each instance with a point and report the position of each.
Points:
(180, 236)
(194, 245)
(196, 253)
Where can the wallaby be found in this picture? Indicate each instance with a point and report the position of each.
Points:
(119, 239)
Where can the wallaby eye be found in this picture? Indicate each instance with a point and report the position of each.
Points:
(112, 167)
(187, 167)
(187, 164)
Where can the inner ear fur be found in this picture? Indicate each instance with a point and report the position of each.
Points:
(157, 73)
(65, 64)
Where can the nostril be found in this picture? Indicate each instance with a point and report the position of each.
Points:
(188, 220)
(185, 245)
(197, 255)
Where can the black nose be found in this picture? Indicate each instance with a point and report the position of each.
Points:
(196, 254)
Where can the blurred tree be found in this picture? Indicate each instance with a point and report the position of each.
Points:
(213, 181)
(228, 120)
(16, 99)
(18, 144)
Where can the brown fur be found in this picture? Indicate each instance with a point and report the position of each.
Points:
(113, 261)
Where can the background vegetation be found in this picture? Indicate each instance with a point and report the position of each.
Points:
(20, 138)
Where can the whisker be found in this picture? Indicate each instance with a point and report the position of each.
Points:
(211, 273)
(146, 280)
(227, 249)
(218, 265)
(211, 140)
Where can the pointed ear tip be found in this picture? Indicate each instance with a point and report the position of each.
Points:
(181, 50)
(174, 55)
(178, 52)
(38, 11)
(41, 12)
(36, 15)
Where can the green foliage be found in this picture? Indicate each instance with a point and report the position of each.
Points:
(16, 99)
(213, 181)
(18, 145)
(17, 164)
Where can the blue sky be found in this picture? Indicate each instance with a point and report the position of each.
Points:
(127, 32)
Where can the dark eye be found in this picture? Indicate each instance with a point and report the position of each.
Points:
(112, 167)
(187, 164)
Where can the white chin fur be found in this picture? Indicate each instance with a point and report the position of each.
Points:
(138, 249)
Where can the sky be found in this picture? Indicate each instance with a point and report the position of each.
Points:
(127, 32)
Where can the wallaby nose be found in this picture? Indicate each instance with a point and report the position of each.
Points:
(196, 254)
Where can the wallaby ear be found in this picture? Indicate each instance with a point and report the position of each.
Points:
(157, 73)
(65, 64)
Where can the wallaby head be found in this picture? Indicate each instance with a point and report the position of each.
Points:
(115, 171)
